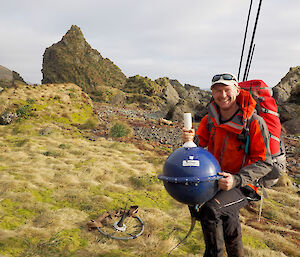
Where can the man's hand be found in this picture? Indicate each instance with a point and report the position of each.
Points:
(227, 182)
(188, 135)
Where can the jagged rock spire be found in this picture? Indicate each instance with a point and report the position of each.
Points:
(73, 60)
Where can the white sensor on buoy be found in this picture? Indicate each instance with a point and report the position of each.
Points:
(188, 121)
(188, 125)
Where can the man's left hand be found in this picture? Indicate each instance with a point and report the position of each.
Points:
(227, 182)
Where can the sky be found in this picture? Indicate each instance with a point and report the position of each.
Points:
(187, 40)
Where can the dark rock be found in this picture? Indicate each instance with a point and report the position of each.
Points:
(295, 94)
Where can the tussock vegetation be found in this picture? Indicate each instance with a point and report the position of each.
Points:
(54, 179)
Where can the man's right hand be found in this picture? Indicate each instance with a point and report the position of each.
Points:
(188, 135)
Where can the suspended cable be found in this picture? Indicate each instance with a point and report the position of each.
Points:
(252, 39)
(252, 52)
(245, 36)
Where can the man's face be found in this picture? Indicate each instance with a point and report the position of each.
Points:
(225, 96)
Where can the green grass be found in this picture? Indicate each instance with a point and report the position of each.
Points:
(13, 214)
(119, 129)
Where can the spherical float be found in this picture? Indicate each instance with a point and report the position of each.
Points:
(190, 175)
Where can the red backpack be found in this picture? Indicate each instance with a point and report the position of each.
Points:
(267, 108)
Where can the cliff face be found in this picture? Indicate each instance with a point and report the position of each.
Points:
(287, 95)
(288, 89)
(73, 60)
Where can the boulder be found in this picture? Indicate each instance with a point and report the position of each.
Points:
(182, 92)
(119, 99)
(176, 112)
(73, 60)
(197, 95)
(169, 94)
(191, 99)
(292, 126)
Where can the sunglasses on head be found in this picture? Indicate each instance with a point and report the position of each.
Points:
(224, 76)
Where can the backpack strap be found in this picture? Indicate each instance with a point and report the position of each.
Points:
(245, 138)
(274, 137)
(269, 111)
(211, 129)
(259, 108)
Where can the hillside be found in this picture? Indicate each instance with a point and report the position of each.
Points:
(60, 168)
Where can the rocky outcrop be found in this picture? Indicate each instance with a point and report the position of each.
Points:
(8, 77)
(176, 112)
(17, 77)
(287, 95)
(73, 60)
(193, 100)
(182, 92)
(5, 74)
(142, 85)
(197, 96)
(169, 93)
(288, 88)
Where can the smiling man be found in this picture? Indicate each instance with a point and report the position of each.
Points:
(222, 131)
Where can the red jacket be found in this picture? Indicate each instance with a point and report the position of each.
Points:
(222, 141)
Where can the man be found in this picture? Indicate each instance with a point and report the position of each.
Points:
(244, 158)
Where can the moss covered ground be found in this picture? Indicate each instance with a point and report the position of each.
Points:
(54, 179)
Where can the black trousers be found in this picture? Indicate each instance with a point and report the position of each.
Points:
(220, 223)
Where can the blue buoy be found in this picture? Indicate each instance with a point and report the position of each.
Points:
(190, 175)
